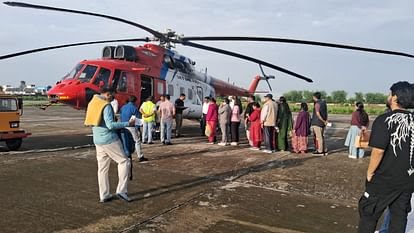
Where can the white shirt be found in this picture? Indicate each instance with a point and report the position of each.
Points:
(114, 104)
(205, 108)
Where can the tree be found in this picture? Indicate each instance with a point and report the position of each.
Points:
(375, 98)
(339, 96)
(308, 96)
(359, 97)
(293, 96)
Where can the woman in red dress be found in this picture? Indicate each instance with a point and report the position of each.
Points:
(255, 127)
(211, 120)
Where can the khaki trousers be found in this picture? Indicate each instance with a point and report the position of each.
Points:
(320, 138)
(104, 154)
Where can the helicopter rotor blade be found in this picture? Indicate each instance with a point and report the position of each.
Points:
(295, 41)
(41, 7)
(68, 45)
(261, 69)
(244, 57)
(268, 83)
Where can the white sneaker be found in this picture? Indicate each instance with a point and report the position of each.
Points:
(222, 144)
(254, 148)
(352, 157)
(267, 151)
(234, 143)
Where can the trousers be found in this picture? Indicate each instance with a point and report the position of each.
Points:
(104, 154)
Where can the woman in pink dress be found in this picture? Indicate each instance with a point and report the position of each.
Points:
(255, 127)
(211, 120)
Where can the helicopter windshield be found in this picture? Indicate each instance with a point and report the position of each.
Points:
(87, 73)
(72, 74)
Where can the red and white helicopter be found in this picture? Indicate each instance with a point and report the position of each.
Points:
(154, 69)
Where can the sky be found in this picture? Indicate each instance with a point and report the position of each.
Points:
(371, 23)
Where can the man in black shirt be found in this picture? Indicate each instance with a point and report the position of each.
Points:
(319, 122)
(179, 107)
(390, 175)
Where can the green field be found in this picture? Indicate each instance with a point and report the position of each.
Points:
(371, 109)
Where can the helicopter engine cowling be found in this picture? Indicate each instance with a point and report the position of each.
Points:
(125, 52)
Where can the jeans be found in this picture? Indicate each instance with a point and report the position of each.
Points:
(235, 131)
(178, 124)
(148, 131)
(269, 133)
(165, 131)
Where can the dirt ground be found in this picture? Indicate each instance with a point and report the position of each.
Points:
(50, 185)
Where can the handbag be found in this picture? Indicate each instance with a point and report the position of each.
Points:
(362, 140)
(208, 130)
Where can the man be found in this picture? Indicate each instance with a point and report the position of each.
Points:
(268, 118)
(319, 122)
(206, 102)
(148, 116)
(224, 113)
(130, 111)
(167, 113)
(179, 108)
(247, 112)
(108, 146)
(390, 174)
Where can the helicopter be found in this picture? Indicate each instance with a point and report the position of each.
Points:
(155, 68)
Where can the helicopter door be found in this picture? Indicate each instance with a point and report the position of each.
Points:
(147, 84)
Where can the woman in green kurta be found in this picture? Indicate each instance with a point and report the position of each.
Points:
(284, 123)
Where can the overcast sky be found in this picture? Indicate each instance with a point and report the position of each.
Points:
(371, 23)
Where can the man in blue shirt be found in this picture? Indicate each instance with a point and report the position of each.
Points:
(108, 146)
(130, 111)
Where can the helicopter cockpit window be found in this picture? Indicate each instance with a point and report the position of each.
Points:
(169, 61)
(87, 73)
(72, 74)
(103, 76)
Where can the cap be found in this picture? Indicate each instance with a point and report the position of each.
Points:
(269, 96)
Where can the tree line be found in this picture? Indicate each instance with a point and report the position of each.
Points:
(337, 97)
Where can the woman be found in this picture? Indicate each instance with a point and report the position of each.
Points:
(224, 121)
(359, 123)
(255, 127)
(301, 130)
(211, 121)
(235, 122)
(284, 124)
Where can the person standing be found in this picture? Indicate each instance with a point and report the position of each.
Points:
(319, 122)
(235, 122)
(148, 116)
(246, 114)
(127, 112)
(211, 120)
(284, 123)
(100, 115)
(179, 108)
(301, 130)
(255, 127)
(224, 112)
(167, 113)
(390, 180)
(268, 117)
(359, 124)
(206, 102)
